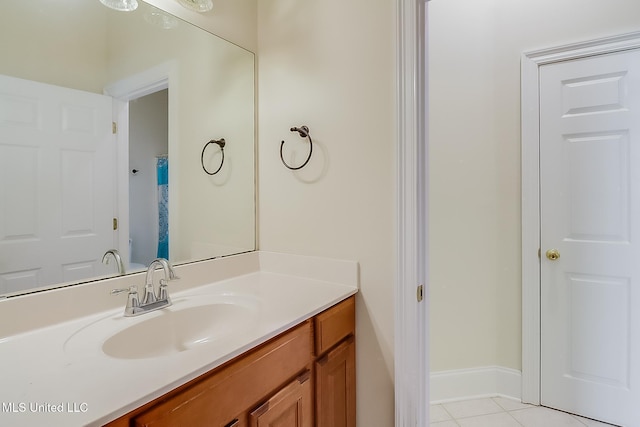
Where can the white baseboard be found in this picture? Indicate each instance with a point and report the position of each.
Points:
(488, 381)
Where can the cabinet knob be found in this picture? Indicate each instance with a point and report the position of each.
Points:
(233, 423)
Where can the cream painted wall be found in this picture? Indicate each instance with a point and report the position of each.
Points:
(475, 49)
(48, 29)
(30, 48)
(330, 65)
(233, 20)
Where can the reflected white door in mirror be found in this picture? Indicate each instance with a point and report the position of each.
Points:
(57, 161)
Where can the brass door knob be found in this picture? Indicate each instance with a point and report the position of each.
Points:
(553, 254)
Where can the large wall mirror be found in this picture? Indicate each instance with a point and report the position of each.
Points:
(103, 119)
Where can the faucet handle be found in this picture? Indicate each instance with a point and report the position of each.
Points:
(133, 289)
(163, 294)
(132, 299)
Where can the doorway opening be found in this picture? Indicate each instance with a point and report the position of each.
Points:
(148, 178)
(144, 111)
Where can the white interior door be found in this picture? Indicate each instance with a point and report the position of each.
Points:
(57, 181)
(590, 214)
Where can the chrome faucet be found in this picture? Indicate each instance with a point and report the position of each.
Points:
(150, 300)
(116, 255)
(149, 296)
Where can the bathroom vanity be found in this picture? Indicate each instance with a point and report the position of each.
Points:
(304, 374)
(250, 340)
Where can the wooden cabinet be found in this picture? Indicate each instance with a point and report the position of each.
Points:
(304, 377)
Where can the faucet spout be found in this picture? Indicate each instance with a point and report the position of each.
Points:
(116, 256)
(169, 274)
(167, 268)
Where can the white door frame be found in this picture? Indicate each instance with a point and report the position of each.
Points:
(530, 65)
(411, 328)
(144, 83)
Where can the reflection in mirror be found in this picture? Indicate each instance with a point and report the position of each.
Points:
(103, 117)
(148, 166)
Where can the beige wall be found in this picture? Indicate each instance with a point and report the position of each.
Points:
(475, 193)
(233, 20)
(31, 48)
(329, 64)
(47, 29)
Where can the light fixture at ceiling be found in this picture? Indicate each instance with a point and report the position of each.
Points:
(197, 5)
(160, 19)
(121, 5)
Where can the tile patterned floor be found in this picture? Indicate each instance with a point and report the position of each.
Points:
(503, 412)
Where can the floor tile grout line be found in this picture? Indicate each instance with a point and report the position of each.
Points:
(575, 417)
(449, 413)
(508, 411)
(495, 400)
(502, 411)
(514, 418)
(478, 415)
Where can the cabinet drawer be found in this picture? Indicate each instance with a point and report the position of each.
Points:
(334, 324)
(218, 398)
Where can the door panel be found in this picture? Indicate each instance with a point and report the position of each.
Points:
(590, 213)
(57, 183)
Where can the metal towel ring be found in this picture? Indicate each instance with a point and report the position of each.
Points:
(220, 142)
(303, 131)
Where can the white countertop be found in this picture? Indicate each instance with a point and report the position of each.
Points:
(45, 382)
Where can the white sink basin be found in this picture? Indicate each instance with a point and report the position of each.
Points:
(189, 323)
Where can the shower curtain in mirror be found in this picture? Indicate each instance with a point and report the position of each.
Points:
(162, 166)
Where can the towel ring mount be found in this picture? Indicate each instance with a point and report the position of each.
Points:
(303, 131)
(219, 142)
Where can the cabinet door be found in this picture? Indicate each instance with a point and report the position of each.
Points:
(290, 407)
(336, 387)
